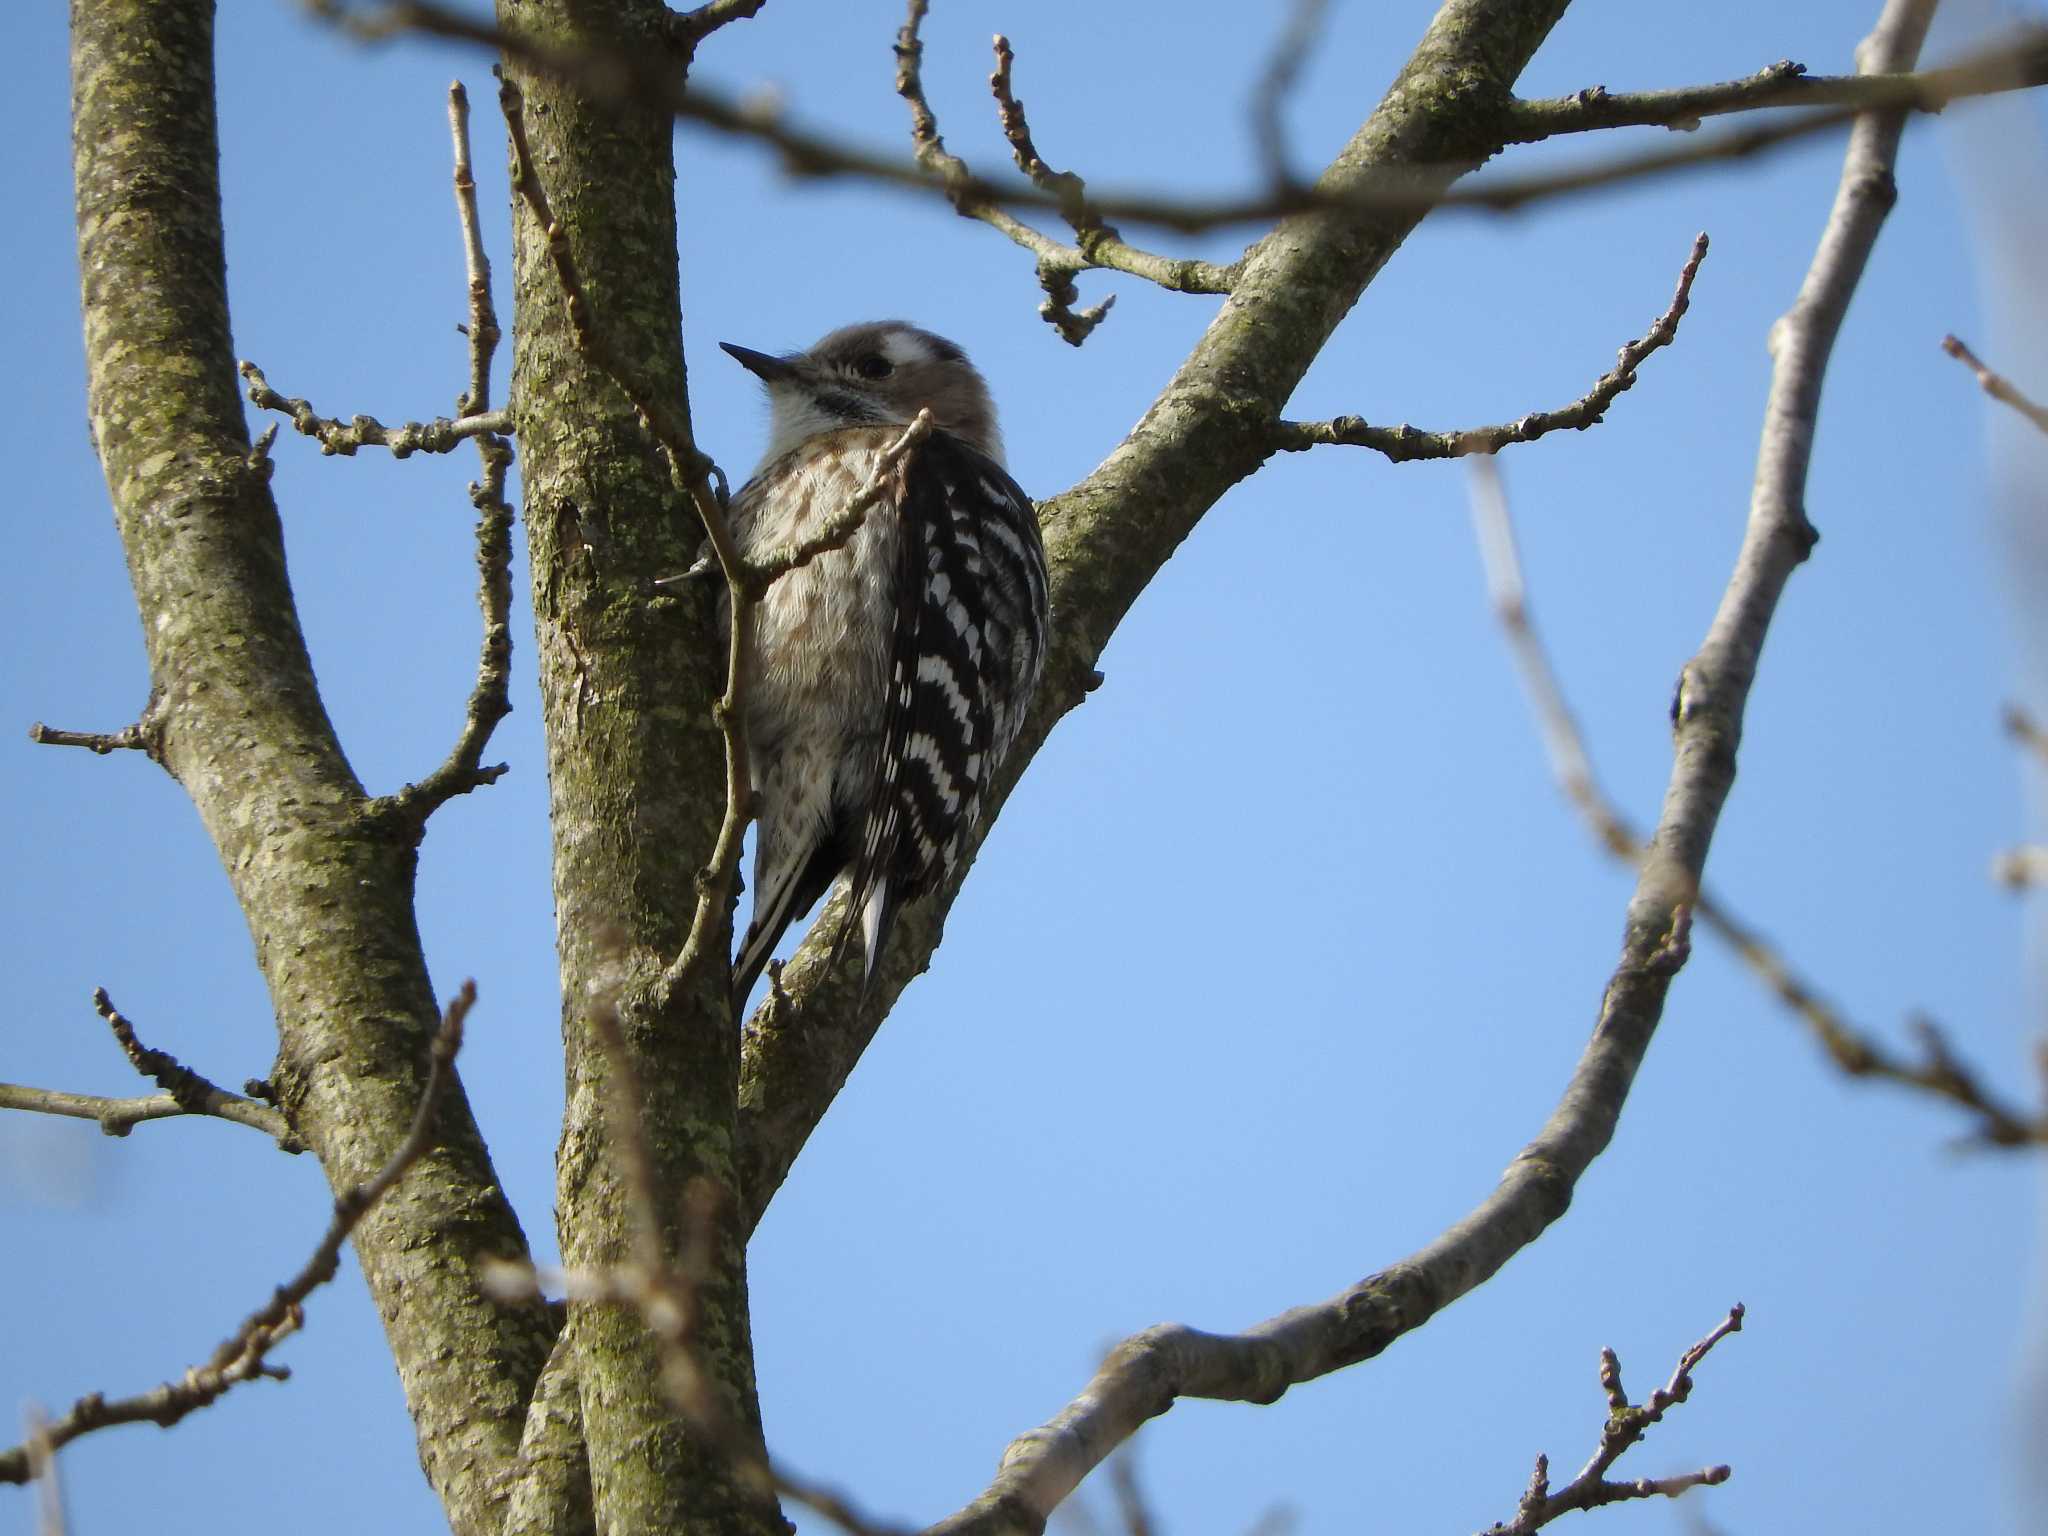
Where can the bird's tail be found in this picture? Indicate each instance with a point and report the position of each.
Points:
(877, 917)
(778, 903)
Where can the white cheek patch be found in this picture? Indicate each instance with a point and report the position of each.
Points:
(905, 349)
(794, 416)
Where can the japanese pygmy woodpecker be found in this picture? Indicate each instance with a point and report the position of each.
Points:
(886, 679)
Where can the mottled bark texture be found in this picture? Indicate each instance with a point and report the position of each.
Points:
(635, 761)
(636, 770)
(1107, 537)
(323, 876)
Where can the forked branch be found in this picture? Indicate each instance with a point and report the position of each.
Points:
(444, 434)
(1623, 1428)
(184, 1092)
(689, 471)
(244, 1355)
(1857, 1052)
(1835, 101)
(1626, 1423)
(1150, 1371)
(1404, 444)
(490, 699)
(1097, 245)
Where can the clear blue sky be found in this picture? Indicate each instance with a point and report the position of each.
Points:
(1285, 945)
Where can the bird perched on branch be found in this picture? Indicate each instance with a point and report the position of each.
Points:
(886, 679)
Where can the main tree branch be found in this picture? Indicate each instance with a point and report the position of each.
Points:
(1145, 1375)
(639, 771)
(243, 1356)
(1833, 103)
(328, 899)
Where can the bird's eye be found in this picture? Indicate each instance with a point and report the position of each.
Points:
(874, 366)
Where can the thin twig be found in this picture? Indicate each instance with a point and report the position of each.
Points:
(1403, 444)
(1146, 1374)
(490, 697)
(746, 583)
(686, 29)
(1069, 188)
(442, 435)
(838, 529)
(1625, 1424)
(689, 470)
(1057, 263)
(482, 330)
(1132, 1507)
(1097, 245)
(619, 76)
(665, 1293)
(1996, 385)
(117, 1117)
(185, 1092)
(244, 1354)
(1277, 81)
(1855, 1051)
(1570, 763)
(2015, 63)
(42, 1456)
(144, 736)
(664, 1299)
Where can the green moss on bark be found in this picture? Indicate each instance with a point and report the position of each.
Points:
(327, 892)
(636, 772)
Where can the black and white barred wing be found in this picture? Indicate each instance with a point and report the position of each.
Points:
(968, 647)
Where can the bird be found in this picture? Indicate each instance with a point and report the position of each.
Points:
(885, 680)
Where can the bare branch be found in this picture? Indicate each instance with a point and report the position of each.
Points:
(1132, 1507)
(1996, 385)
(1570, 763)
(1098, 245)
(1625, 1425)
(1858, 1053)
(757, 576)
(442, 435)
(117, 1117)
(244, 1355)
(1148, 1372)
(2016, 66)
(42, 1457)
(1304, 25)
(185, 1092)
(1403, 444)
(846, 522)
(1855, 1051)
(145, 736)
(663, 1296)
(2018, 63)
(686, 29)
(665, 1292)
(689, 470)
(490, 698)
(482, 329)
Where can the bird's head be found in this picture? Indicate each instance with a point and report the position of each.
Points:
(878, 373)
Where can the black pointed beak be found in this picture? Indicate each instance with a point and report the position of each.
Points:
(769, 370)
